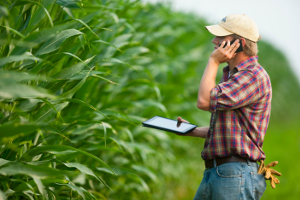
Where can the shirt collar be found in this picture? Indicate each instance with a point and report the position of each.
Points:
(243, 64)
(247, 62)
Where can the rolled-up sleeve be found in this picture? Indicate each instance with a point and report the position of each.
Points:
(213, 99)
(241, 89)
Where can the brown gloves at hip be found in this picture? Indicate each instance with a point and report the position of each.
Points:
(268, 172)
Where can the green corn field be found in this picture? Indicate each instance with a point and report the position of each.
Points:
(77, 79)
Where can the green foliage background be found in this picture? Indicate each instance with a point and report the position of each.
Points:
(78, 78)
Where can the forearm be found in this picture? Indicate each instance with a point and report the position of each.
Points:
(199, 132)
(208, 82)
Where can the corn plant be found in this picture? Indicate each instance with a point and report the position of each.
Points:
(77, 78)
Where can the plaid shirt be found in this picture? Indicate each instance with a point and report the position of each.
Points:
(240, 106)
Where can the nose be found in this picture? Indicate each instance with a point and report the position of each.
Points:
(215, 40)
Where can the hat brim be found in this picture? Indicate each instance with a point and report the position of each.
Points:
(218, 30)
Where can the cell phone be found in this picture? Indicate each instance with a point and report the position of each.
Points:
(240, 47)
(169, 125)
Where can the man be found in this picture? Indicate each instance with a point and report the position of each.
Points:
(240, 105)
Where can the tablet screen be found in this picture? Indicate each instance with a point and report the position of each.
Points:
(169, 124)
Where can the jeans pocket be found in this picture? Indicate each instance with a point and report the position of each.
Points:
(259, 185)
(229, 170)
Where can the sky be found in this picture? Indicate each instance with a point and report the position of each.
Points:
(278, 20)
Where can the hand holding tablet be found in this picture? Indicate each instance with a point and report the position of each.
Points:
(169, 125)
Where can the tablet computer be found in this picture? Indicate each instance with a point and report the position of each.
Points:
(169, 125)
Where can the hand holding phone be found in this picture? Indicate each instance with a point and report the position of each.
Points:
(240, 47)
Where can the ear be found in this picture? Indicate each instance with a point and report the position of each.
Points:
(243, 41)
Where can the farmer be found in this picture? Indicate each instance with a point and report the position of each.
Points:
(240, 108)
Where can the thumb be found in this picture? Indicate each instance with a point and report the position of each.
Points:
(182, 120)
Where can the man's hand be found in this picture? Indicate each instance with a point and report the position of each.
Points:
(219, 55)
(224, 53)
(197, 132)
(179, 119)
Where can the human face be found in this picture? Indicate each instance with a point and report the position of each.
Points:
(219, 39)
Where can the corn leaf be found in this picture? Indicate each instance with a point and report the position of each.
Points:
(12, 58)
(53, 44)
(12, 130)
(59, 149)
(86, 170)
(14, 168)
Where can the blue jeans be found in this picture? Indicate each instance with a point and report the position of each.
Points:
(234, 181)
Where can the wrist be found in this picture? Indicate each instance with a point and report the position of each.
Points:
(191, 133)
(213, 61)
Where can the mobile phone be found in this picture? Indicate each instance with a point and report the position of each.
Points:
(240, 47)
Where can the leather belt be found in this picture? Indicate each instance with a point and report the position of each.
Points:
(229, 159)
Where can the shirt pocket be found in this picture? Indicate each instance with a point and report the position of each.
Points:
(229, 170)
